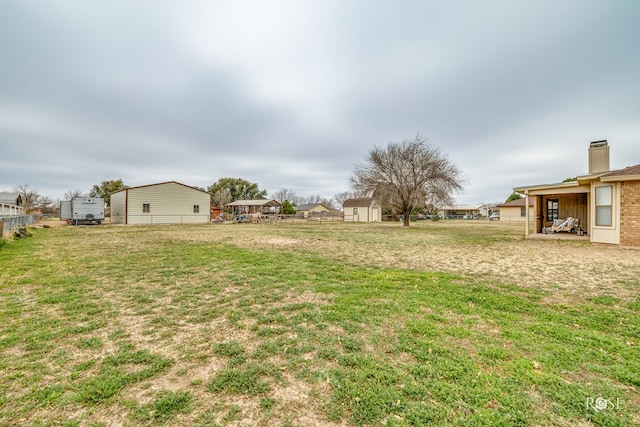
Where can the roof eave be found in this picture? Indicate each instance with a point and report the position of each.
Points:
(615, 178)
(526, 189)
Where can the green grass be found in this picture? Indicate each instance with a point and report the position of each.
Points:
(163, 407)
(163, 326)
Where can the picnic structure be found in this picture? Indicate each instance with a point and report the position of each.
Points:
(254, 209)
(606, 203)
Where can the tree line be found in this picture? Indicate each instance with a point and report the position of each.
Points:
(223, 191)
(403, 177)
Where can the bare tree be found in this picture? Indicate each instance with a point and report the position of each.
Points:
(30, 196)
(330, 203)
(72, 194)
(314, 198)
(47, 205)
(407, 174)
(285, 194)
(221, 197)
(341, 197)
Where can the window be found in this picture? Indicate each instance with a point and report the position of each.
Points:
(196, 208)
(603, 205)
(355, 211)
(552, 209)
(523, 211)
(146, 207)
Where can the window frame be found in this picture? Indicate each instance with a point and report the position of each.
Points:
(146, 208)
(196, 209)
(603, 208)
(553, 212)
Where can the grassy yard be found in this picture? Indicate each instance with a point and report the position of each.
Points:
(450, 323)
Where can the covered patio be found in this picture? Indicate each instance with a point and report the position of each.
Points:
(557, 201)
(250, 207)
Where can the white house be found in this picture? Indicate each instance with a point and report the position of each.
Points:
(606, 202)
(11, 204)
(361, 210)
(163, 203)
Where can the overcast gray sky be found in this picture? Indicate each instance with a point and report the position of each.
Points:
(291, 94)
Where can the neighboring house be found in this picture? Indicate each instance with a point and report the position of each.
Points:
(606, 202)
(313, 209)
(11, 204)
(259, 206)
(163, 203)
(464, 211)
(361, 210)
(515, 210)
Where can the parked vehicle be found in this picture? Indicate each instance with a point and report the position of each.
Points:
(495, 216)
(83, 210)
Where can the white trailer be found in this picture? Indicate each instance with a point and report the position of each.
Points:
(82, 210)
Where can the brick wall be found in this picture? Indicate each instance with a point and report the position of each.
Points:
(630, 213)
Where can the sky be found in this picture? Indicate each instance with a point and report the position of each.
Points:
(294, 93)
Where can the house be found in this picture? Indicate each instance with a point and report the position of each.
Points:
(163, 203)
(11, 204)
(258, 206)
(606, 202)
(313, 209)
(515, 210)
(464, 211)
(361, 210)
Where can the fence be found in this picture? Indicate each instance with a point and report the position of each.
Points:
(10, 223)
(160, 219)
(10, 210)
(311, 218)
(283, 219)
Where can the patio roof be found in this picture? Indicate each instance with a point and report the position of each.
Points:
(579, 186)
(259, 202)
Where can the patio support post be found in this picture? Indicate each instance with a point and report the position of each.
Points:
(526, 209)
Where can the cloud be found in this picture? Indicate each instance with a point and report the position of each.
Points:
(292, 94)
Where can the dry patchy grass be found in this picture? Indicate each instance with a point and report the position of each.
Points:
(569, 269)
(325, 324)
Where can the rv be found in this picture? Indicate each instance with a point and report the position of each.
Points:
(82, 210)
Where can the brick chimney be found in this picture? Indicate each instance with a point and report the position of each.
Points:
(598, 157)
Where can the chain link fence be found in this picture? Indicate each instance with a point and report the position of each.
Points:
(10, 223)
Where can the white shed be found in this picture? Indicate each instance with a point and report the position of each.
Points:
(163, 203)
(361, 210)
